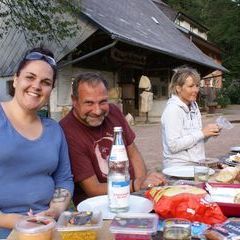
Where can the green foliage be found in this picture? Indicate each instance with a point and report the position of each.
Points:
(230, 92)
(222, 98)
(222, 17)
(225, 30)
(234, 92)
(45, 19)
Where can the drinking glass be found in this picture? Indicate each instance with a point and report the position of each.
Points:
(176, 229)
(201, 173)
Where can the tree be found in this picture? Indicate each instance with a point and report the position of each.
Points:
(222, 17)
(225, 29)
(39, 19)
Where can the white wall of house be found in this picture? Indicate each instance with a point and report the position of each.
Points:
(195, 30)
(157, 108)
(202, 34)
(191, 28)
(185, 25)
(60, 101)
(4, 95)
(160, 90)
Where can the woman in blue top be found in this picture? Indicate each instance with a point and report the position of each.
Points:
(35, 175)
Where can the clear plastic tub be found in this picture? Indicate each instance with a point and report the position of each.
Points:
(35, 228)
(134, 226)
(229, 209)
(79, 225)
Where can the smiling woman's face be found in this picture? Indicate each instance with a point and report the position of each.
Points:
(188, 91)
(34, 84)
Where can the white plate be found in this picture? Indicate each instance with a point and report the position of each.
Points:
(228, 161)
(231, 160)
(182, 172)
(136, 204)
(235, 149)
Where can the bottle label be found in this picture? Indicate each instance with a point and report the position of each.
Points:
(118, 153)
(119, 192)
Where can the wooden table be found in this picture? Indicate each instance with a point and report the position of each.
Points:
(104, 233)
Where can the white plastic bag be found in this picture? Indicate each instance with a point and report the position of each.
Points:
(223, 123)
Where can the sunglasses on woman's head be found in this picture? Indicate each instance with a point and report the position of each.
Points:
(41, 56)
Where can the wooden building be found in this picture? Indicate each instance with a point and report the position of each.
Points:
(123, 40)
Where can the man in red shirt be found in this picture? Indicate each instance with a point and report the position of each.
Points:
(88, 128)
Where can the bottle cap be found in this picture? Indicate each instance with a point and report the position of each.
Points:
(117, 129)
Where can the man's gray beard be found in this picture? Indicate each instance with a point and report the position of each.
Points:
(99, 122)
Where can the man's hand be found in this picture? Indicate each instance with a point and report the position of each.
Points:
(152, 179)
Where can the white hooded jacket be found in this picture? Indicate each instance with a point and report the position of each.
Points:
(182, 136)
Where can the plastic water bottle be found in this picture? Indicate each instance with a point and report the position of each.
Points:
(118, 175)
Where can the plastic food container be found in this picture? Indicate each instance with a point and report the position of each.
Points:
(35, 228)
(134, 226)
(79, 225)
(228, 209)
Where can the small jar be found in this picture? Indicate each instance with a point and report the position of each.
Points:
(176, 229)
(35, 228)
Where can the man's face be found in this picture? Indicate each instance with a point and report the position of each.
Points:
(92, 105)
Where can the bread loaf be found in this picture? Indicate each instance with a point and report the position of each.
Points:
(227, 175)
(235, 158)
(237, 178)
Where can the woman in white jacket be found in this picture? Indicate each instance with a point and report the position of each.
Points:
(182, 133)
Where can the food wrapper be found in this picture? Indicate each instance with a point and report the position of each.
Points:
(228, 230)
(184, 201)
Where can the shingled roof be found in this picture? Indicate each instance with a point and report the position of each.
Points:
(141, 23)
(136, 22)
(166, 9)
(13, 46)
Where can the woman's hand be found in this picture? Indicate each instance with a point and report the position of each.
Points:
(51, 212)
(211, 130)
(60, 202)
(9, 220)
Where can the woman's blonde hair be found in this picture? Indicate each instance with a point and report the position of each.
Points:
(179, 78)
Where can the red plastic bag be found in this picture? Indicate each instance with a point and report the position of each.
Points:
(189, 202)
